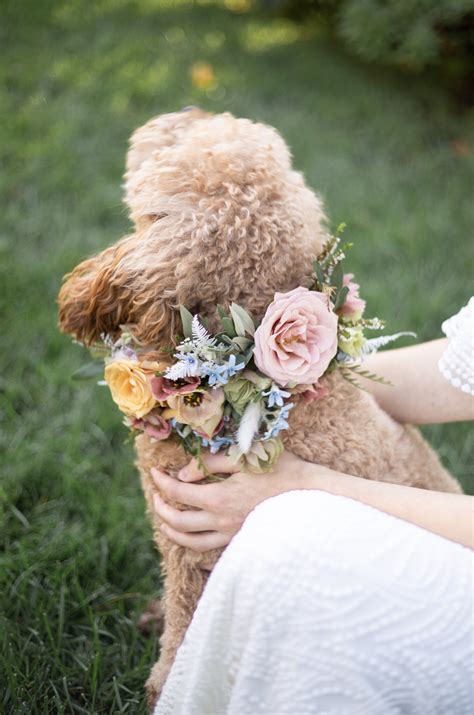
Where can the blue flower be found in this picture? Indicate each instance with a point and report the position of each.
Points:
(216, 443)
(279, 423)
(232, 367)
(216, 374)
(275, 396)
(178, 427)
(221, 374)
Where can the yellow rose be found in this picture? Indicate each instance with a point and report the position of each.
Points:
(130, 386)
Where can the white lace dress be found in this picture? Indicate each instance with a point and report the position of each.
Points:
(386, 628)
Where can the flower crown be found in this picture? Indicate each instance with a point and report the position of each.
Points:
(233, 390)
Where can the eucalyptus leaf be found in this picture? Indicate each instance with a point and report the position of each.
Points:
(248, 355)
(228, 326)
(242, 321)
(319, 272)
(187, 321)
(337, 275)
(242, 343)
(341, 297)
(224, 338)
(88, 371)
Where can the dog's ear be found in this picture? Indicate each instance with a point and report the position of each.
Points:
(120, 286)
(95, 297)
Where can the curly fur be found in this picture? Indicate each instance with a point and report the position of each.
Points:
(221, 216)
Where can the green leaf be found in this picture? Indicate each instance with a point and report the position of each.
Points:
(228, 327)
(186, 320)
(319, 273)
(340, 298)
(224, 338)
(337, 275)
(242, 321)
(341, 228)
(221, 310)
(242, 343)
(91, 369)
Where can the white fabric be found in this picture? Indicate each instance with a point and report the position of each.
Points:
(323, 605)
(457, 362)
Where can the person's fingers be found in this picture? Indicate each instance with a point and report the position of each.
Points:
(214, 463)
(203, 541)
(190, 494)
(184, 521)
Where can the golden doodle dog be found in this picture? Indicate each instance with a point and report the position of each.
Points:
(220, 215)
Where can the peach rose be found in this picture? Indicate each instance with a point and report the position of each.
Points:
(354, 305)
(201, 410)
(130, 386)
(297, 338)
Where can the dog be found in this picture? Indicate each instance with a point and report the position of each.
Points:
(220, 215)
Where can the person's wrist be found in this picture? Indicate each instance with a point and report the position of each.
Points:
(316, 476)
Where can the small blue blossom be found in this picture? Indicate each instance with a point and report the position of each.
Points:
(216, 443)
(217, 374)
(279, 423)
(221, 374)
(178, 427)
(275, 396)
(343, 357)
(232, 367)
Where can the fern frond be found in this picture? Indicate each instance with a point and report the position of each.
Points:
(349, 378)
(373, 344)
(370, 375)
(201, 337)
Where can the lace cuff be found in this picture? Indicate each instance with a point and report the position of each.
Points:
(457, 362)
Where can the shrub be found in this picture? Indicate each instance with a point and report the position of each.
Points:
(414, 33)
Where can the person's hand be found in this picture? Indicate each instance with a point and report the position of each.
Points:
(221, 507)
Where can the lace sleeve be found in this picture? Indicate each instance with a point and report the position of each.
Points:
(457, 362)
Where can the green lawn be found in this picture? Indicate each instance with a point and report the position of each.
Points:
(393, 159)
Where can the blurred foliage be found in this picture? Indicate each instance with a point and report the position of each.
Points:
(412, 34)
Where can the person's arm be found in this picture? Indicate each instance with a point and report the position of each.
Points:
(449, 515)
(222, 507)
(419, 393)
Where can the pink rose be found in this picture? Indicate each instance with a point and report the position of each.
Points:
(354, 306)
(297, 338)
(162, 388)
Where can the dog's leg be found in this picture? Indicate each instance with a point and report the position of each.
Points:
(184, 586)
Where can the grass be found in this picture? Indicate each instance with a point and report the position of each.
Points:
(388, 152)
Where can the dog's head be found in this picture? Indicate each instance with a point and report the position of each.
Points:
(219, 215)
